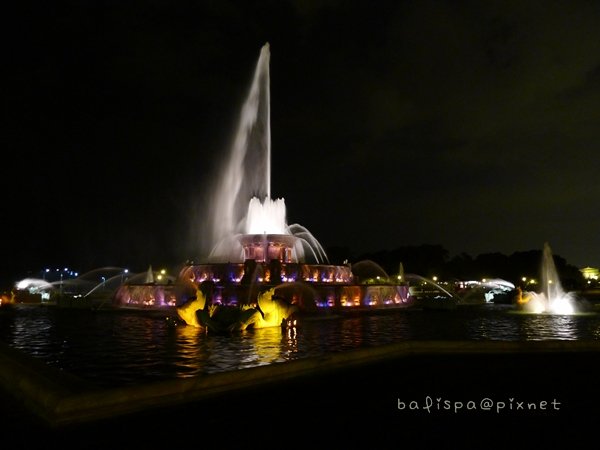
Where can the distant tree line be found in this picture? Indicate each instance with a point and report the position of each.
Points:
(434, 260)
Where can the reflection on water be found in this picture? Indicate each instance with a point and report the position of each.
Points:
(248, 348)
(537, 327)
(116, 348)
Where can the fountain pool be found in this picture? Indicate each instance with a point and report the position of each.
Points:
(130, 347)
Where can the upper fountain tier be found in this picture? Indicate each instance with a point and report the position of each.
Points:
(266, 236)
(268, 247)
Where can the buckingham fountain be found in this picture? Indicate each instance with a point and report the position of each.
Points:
(254, 249)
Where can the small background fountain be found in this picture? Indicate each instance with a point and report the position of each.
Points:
(552, 299)
(63, 287)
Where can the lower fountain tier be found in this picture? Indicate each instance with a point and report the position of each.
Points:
(310, 286)
(272, 272)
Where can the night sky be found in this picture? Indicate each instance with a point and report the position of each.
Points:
(472, 125)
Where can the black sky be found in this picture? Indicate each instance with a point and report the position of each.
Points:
(474, 125)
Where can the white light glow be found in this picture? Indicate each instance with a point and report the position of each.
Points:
(266, 217)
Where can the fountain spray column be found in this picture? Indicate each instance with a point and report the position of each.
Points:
(551, 286)
(552, 298)
(242, 203)
(267, 88)
(247, 169)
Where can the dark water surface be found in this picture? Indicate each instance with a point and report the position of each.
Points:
(122, 348)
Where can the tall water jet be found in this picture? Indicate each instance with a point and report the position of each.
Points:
(247, 170)
(242, 204)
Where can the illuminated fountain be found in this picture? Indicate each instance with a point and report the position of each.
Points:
(70, 288)
(254, 249)
(553, 299)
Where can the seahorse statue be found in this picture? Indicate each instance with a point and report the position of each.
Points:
(271, 312)
(274, 310)
(187, 311)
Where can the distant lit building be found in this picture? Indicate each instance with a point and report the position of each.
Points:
(590, 273)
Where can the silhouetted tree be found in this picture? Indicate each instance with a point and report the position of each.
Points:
(428, 260)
